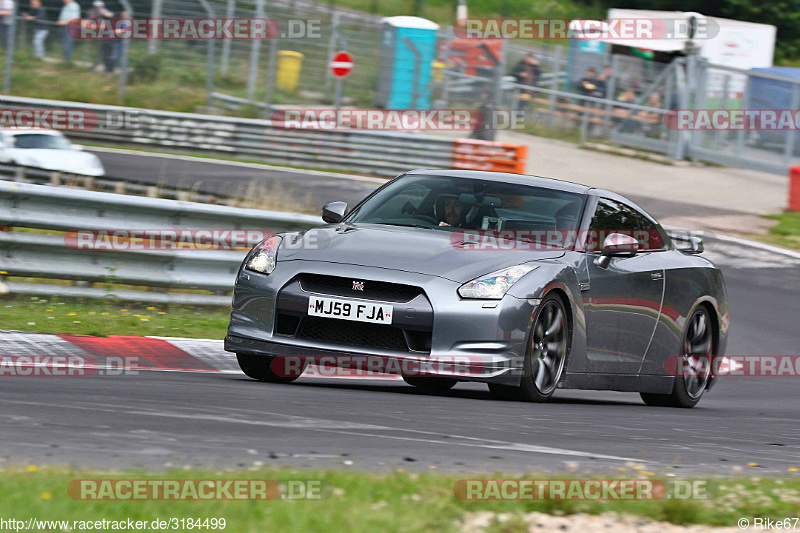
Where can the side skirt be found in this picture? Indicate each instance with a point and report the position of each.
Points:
(619, 382)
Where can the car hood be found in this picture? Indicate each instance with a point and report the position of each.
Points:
(422, 251)
(73, 161)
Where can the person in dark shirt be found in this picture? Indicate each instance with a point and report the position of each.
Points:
(590, 85)
(526, 72)
(37, 15)
(603, 82)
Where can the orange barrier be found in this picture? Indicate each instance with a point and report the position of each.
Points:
(489, 155)
(794, 188)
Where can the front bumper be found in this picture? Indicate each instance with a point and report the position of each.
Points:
(489, 336)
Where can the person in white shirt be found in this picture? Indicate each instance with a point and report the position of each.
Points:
(71, 10)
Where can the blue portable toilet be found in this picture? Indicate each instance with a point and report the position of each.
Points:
(768, 93)
(408, 49)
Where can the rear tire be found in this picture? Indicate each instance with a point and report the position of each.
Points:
(259, 367)
(430, 384)
(697, 343)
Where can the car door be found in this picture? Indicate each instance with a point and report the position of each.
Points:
(624, 298)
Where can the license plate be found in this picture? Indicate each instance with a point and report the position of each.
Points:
(350, 310)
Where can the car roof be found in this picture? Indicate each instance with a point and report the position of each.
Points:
(505, 177)
(14, 131)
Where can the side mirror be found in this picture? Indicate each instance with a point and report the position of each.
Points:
(334, 212)
(617, 245)
(693, 238)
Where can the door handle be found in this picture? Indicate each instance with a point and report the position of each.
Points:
(656, 275)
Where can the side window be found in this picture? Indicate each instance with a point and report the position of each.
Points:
(649, 236)
(610, 217)
(396, 207)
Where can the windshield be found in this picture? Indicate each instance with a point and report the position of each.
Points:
(450, 203)
(41, 140)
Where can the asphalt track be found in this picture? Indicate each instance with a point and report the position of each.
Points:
(303, 187)
(158, 419)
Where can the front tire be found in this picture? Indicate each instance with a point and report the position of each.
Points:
(696, 347)
(545, 356)
(259, 367)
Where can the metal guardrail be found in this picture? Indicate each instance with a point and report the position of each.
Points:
(41, 176)
(373, 152)
(382, 153)
(47, 256)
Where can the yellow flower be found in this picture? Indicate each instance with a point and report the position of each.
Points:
(32, 468)
(151, 308)
(752, 464)
(793, 469)
(72, 314)
(46, 495)
(162, 313)
(123, 310)
(3, 272)
(48, 310)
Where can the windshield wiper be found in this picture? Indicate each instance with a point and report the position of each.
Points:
(402, 225)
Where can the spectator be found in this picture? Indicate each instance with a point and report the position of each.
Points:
(484, 130)
(650, 119)
(37, 15)
(70, 11)
(6, 19)
(103, 47)
(124, 25)
(526, 72)
(627, 96)
(604, 80)
(589, 84)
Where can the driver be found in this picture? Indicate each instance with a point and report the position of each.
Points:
(453, 209)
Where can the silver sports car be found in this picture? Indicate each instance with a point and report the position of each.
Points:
(527, 284)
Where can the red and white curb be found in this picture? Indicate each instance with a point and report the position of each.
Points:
(122, 352)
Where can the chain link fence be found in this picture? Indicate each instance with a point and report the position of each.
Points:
(624, 103)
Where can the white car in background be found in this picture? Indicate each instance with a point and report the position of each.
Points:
(46, 149)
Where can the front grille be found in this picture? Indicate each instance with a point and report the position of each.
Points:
(373, 290)
(352, 333)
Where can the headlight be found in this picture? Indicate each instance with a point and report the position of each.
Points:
(494, 285)
(266, 256)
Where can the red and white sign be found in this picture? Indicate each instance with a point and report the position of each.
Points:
(341, 64)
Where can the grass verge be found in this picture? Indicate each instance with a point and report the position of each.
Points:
(357, 501)
(787, 230)
(103, 318)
